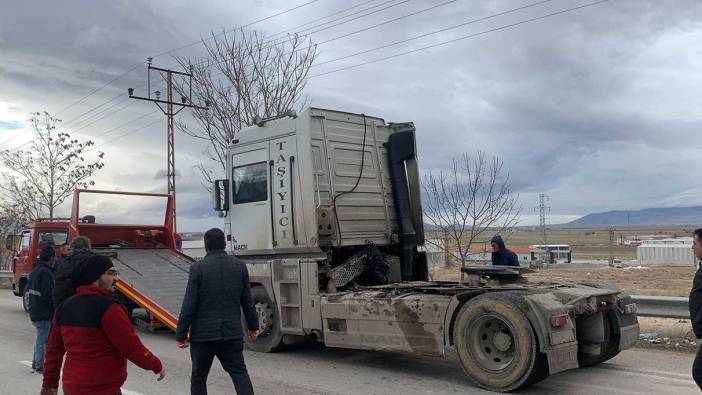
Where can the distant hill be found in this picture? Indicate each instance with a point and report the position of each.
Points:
(645, 217)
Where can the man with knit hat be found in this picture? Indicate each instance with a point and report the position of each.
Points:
(92, 329)
(41, 307)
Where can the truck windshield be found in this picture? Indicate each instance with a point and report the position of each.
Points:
(58, 237)
(250, 183)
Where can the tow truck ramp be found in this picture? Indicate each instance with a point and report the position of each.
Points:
(154, 278)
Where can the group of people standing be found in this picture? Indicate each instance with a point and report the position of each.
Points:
(72, 305)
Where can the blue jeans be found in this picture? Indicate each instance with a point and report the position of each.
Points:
(43, 328)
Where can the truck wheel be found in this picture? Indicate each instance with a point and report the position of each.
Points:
(25, 298)
(128, 303)
(269, 339)
(496, 344)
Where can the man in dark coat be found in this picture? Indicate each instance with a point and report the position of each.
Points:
(63, 285)
(218, 289)
(501, 256)
(93, 331)
(41, 307)
(695, 305)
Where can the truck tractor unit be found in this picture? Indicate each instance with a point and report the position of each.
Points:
(325, 209)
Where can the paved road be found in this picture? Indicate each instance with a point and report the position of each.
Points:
(313, 369)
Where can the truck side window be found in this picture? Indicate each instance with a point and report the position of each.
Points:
(250, 183)
(25, 241)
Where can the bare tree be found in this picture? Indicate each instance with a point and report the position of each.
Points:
(472, 197)
(244, 77)
(41, 178)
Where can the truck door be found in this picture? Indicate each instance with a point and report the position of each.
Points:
(20, 261)
(250, 214)
(285, 177)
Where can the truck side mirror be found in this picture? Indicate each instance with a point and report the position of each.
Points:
(10, 241)
(220, 195)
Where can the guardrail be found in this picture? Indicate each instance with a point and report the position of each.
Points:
(661, 306)
(5, 274)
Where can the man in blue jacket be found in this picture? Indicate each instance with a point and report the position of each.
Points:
(501, 256)
(695, 305)
(41, 306)
(218, 290)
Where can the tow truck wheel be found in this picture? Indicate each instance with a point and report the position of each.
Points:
(269, 339)
(496, 344)
(25, 298)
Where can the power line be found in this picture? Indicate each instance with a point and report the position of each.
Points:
(327, 16)
(168, 52)
(94, 91)
(176, 49)
(389, 21)
(342, 23)
(64, 124)
(423, 35)
(459, 38)
(271, 42)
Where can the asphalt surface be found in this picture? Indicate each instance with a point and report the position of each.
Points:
(314, 369)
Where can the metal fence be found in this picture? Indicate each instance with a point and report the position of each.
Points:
(662, 306)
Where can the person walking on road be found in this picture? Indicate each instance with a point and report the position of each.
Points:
(65, 252)
(93, 331)
(695, 306)
(218, 289)
(41, 307)
(501, 256)
(63, 284)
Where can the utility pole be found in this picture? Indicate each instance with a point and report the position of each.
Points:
(611, 246)
(184, 102)
(542, 222)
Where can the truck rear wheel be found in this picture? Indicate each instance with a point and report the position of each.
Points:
(496, 344)
(269, 339)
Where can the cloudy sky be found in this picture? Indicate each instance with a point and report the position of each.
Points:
(598, 107)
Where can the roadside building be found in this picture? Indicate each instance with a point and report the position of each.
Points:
(666, 251)
(551, 253)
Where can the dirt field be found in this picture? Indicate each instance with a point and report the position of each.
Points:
(585, 243)
(651, 280)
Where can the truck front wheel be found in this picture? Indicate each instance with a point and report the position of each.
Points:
(496, 344)
(25, 298)
(270, 338)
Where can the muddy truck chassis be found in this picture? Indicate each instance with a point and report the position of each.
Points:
(325, 210)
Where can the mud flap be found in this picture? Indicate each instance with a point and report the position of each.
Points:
(562, 358)
(629, 335)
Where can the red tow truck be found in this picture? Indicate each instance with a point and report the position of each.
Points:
(153, 272)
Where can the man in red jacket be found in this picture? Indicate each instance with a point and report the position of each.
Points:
(93, 330)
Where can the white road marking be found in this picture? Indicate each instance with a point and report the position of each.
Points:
(124, 391)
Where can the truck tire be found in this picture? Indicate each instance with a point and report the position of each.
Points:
(496, 344)
(127, 303)
(25, 298)
(270, 339)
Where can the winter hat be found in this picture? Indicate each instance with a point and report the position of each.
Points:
(47, 252)
(91, 269)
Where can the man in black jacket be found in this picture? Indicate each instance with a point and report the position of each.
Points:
(41, 307)
(696, 306)
(64, 286)
(218, 289)
(501, 256)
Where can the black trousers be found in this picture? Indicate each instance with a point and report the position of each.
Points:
(697, 368)
(230, 355)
